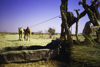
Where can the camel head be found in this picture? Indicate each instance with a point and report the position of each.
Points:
(24, 30)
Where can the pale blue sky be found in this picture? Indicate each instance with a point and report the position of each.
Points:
(23, 13)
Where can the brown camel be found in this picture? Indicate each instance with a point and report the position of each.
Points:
(27, 33)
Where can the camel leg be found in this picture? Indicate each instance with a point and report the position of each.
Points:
(29, 37)
(19, 36)
(24, 36)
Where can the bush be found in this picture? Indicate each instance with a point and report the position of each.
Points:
(51, 31)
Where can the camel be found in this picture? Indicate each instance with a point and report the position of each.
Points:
(27, 33)
(20, 30)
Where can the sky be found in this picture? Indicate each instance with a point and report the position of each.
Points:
(23, 13)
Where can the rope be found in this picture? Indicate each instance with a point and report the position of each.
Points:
(45, 21)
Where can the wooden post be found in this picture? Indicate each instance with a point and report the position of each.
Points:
(77, 23)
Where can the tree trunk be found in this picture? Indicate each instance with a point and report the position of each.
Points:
(77, 24)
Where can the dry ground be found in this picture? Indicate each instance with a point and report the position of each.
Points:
(82, 55)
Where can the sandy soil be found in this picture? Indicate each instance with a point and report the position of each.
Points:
(9, 40)
(13, 40)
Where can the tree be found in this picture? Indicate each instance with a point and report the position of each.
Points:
(51, 31)
(40, 32)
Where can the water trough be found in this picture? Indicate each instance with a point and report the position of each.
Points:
(29, 53)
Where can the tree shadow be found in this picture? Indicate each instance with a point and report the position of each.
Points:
(52, 45)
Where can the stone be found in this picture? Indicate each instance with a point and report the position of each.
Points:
(27, 55)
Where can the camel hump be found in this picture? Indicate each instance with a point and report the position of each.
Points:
(21, 28)
(27, 27)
